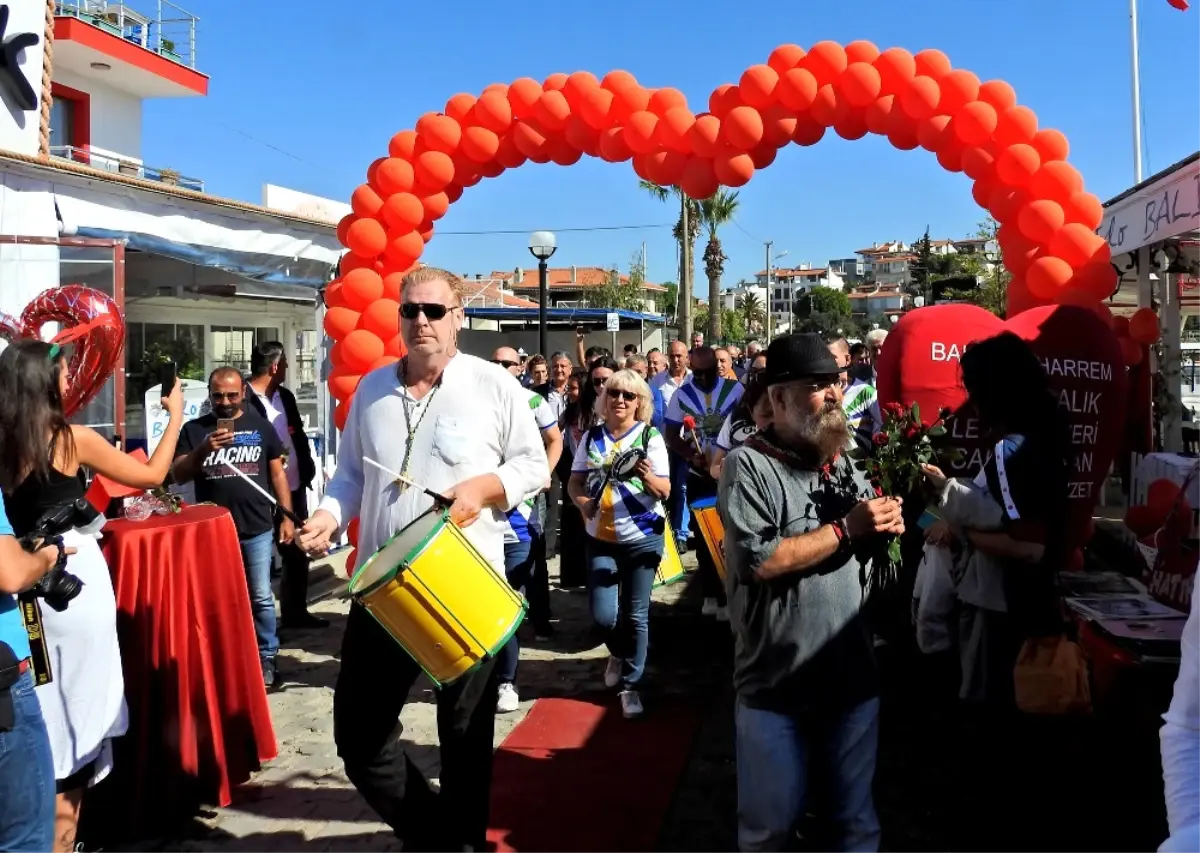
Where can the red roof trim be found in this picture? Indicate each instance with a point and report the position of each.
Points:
(72, 29)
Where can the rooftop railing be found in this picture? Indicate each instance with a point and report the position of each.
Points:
(129, 168)
(170, 31)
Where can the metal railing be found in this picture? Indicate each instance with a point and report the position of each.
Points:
(172, 37)
(129, 168)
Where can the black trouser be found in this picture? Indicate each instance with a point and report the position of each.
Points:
(293, 589)
(554, 501)
(572, 564)
(376, 676)
(702, 486)
(537, 591)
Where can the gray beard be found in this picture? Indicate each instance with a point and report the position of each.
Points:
(823, 435)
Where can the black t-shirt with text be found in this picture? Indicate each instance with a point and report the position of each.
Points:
(255, 444)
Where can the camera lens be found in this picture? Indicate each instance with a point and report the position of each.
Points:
(59, 588)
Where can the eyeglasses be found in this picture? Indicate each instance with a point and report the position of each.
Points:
(627, 396)
(432, 310)
(815, 386)
(598, 381)
(229, 395)
(503, 362)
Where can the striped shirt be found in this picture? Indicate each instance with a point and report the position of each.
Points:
(708, 408)
(860, 402)
(523, 518)
(627, 512)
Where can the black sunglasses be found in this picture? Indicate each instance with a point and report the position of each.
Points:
(505, 363)
(598, 381)
(627, 396)
(432, 310)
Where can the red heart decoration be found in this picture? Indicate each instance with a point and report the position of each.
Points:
(91, 324)
(1082, 357)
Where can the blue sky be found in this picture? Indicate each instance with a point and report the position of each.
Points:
(306, 94)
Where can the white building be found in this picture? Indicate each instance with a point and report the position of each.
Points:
(787, 284)
(199, 278)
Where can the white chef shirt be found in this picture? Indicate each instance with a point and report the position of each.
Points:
(477, 422)
(665, 383)
(1181, 739)
(277, 415)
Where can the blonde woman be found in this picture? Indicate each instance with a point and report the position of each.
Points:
(625, 521)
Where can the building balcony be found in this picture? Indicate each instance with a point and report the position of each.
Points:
(146, 54)
(129, 168)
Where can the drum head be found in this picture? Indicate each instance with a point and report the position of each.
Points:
(396, 553)
(626, 462)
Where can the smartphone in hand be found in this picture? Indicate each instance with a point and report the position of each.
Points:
(168, 375)
(227, 424)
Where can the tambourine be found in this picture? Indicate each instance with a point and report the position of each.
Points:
(622, 468)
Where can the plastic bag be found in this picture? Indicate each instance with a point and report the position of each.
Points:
(1051, 677)
(934, 600)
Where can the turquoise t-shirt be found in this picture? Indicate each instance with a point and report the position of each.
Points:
(12, 629)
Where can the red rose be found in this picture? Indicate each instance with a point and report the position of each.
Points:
(895, 409)
(878, 491)
(913, 431)
(880, 439)
(689, 422)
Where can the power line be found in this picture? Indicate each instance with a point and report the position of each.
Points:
(265, 144)
(557, 230)
(744, 231)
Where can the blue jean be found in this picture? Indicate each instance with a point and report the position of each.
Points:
(26, 775)
(680, 515)
(773, 753)
(620, 577)
(519, 561)
(258, 553)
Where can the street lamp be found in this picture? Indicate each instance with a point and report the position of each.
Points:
(542, 246)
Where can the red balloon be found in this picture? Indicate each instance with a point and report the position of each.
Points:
(394, 176)
(1016, 125)
(552, 110)
(861, 51)
(493, 112)
(639, 131)
(340, 322)
(360, 288)
(896, 67)
(342, 383)
(613, 146)
(797, 89)
(932, 63)
(698, 180)
(930, 132)
(826, 60)
(920, 99)
(733, 168)
(433, 169)
(667, 99)
(978, 162)
(808, 132)
(1120, 326)
(827, 108)
(340, 412)
(860, 84)
(665, 167)
(1056, 179)
(1046, 276)
(1098, 278)
(851, 126)
(999, 94)
(403, 145)
(1132, 351)
(763, 154)
(742, 128)
(479, 144)
(757, 86)
(360, 349)
(403, 211)
(580, 135)
(523, 95)
(1040, 219)
(958, 89)
(459, 107)
(1075, 243)
(779, 123)
(1084, 208)
(1143, 326)
(382, 319)
(366, 237)
(673, 128)
(439, 132)
(1017, 164)
(365, 202)
(436, 205)
(704, 135)
(90, 327)
(596, 106)
(975, 123)
(1051, 145)
(785, 57)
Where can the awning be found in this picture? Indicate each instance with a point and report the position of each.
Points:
(628, 318)
(254, 246)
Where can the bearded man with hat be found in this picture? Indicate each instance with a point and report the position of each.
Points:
(801, 525)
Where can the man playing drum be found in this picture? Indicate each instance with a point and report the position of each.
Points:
(458, 426)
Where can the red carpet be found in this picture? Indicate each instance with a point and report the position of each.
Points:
(577, 776)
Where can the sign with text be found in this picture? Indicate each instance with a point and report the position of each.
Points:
(1165, 208)
(614, 321)
(195, 404)
(1083, 362)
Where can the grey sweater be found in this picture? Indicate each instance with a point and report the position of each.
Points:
(800, 641)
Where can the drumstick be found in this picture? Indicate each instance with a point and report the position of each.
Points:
(291, 516)
(442, 499)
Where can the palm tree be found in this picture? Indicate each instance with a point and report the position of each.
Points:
(751, 309)
(716, 211)
(687, 249)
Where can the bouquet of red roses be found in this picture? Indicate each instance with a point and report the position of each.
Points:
(893, 465)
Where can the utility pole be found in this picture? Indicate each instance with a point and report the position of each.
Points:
(769, 300)
(1137, 91)
(685, 272)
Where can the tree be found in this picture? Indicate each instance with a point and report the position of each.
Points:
(687, 248)
(827, 300)
(617, 294)
(715, 212)
(731, 321)
(991, 289)
(750, 308)
(668, 302)
(920, 271)
(822, 310)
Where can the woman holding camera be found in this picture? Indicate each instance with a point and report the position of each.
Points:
(40, 460)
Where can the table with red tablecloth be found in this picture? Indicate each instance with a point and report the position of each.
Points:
(199, 722)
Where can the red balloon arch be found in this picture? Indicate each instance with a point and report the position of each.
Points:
(1020, 173)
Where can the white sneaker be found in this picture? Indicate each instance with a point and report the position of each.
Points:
(722, 614)
(508, 700)
(612, 672)
(709, 608)
(631, 704)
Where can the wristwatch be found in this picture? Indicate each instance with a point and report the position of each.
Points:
(840, 530)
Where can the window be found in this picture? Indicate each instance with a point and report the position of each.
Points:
(62, 124)
(151, 344)
(70, 122)
(232, 346)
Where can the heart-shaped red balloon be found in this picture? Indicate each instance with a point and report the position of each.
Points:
(91, 325)
(1083, 360)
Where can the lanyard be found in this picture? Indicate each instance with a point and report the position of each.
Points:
(410, 427)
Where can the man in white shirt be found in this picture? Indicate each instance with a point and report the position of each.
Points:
(1181, 741)
(459, 426)
(667, 383)
(266, 393)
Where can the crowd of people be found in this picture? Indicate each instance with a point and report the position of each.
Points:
(604, 460)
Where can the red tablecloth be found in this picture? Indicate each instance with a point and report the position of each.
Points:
(199, 722)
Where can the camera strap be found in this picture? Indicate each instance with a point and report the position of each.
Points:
(31, 615)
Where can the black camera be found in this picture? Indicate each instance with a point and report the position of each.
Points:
(58, 586)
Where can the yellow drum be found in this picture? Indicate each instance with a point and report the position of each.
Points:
(712, 530)
(438, 598)
(670, 568)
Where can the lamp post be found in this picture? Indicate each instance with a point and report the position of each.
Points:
(542, 246)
